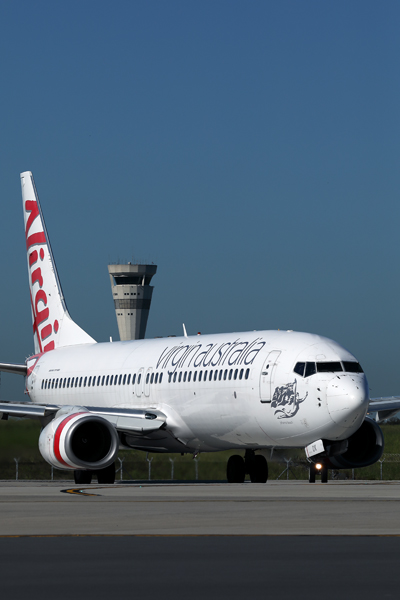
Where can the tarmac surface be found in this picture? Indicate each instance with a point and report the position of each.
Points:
(282, 540)
(275, 508)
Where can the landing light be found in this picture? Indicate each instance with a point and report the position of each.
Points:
(318, 466)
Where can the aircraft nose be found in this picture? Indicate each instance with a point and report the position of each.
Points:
(347, 398)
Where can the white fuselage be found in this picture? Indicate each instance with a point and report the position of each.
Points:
(247, 396)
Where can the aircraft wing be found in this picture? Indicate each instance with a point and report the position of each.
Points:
(136, 421)
(384, 407)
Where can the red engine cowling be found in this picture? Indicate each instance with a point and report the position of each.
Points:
(79, 440)
(365, 447)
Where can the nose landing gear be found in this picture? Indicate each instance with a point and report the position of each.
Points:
(253, 464)
(318, 469)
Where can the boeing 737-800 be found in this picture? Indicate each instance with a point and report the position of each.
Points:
(243, 391)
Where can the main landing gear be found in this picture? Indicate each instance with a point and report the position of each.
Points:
(106, 475)
(318, 469)
(253, 464)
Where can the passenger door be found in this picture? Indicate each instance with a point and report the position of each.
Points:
(139, 382)
(267, 376)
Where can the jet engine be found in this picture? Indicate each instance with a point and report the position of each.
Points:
(364, 448)
(79, 440)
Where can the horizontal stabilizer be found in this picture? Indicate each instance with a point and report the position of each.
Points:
(10, 368)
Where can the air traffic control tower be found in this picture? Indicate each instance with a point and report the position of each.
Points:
(132, 292)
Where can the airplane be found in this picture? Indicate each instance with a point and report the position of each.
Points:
(247, 392)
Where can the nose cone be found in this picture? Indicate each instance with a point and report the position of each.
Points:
(347, 398)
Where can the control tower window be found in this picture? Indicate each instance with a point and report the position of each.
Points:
(352, 367)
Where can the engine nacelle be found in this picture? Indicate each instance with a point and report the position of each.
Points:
(79, 440)
(364, 448)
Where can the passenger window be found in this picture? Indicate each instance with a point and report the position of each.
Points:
(190, 375)
(160, 380)
(147, 377)
(247, 374)
(103, 379)
(184, 376)
(210, 376)
(310, 369)
(169, 377)
(205, 376)
(180, 377)
(241, 374)
(52, 383)
(107, 379)
(42, 384)
(124, 380)
(152, 378)
(129, 379)
(230, 374)
(64, 382)
(216, 375)
(235, 375)
(174, 377)
(115, 379)
(200, 374)
(90, 381)
(120, 379)
(156, 378)
(84, 382)
(139, 378)
(98, 380)
(111, 379)
(225, 374)
(133, 378)
(68, 382)
(80, 382)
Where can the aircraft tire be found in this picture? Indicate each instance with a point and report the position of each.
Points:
(259, 469)
(324, 474)
(106, 475)
(235, 470)
(81, 476)
(311, 477)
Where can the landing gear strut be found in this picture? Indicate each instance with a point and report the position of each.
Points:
(253, 464)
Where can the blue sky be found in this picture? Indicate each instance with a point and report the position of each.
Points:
(250, 149)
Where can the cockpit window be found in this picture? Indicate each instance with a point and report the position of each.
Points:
(299, 368)
(329, 367)
(310, 368)
(352, 367)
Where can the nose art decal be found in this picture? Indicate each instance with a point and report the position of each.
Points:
(286, 400)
